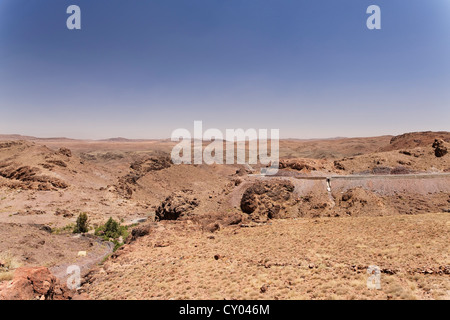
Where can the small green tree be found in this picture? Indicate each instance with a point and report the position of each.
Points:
(112, 231)
(112, 228)
(82, 223)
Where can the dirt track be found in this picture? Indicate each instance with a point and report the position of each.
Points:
(85, 264)
(380, 183)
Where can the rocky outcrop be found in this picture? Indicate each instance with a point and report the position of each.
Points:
(34, 283)
(143, 166)
(267, 200)
(361, 202)
(176, 205)
(65, 152)
(127, 184)
(138, 232)
(299, 164)
(29, 178)
(9, 144)
(58, 163)
(415, 139)
(215, 221)
(440, 148)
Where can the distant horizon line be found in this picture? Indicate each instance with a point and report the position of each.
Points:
(123, 139)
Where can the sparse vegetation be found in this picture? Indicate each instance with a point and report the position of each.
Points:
(82, 224)
(6, 276)
(7, 266)
(112, 231)
(69, 228)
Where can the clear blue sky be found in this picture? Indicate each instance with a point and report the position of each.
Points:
(142, 68)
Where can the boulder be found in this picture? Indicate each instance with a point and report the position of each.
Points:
(32, 283)
(267, 200)
(440, 148)
(138, 232)
(176, 205)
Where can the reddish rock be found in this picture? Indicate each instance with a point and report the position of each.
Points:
(31, 283)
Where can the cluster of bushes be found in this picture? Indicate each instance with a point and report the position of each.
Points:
(112, 231)
(81, 226)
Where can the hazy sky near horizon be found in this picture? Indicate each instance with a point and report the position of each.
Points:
(143, 68)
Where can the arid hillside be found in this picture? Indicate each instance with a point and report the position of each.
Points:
(224, 231)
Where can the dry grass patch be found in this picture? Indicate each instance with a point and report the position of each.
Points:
(322, 258)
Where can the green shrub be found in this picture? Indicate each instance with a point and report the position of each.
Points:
(66, 229)
(81, 224)
(112, 231)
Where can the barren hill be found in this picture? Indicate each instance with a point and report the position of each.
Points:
(224, 215)
(415, 139)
